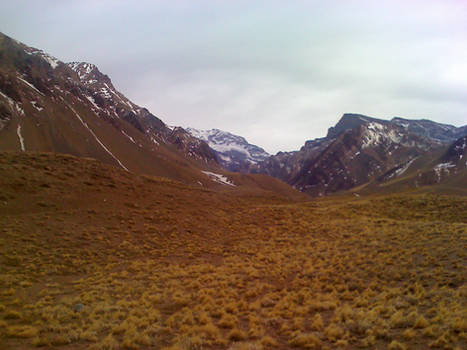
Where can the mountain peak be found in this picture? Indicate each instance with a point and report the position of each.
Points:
(233, 151)
(14, 50)
(88, 73)
(48, 105)
(77, 66)
(351, 121)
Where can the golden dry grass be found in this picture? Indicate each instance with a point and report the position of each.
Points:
(103, 259)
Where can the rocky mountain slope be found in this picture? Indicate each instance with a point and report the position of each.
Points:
(443, 133)
(442, 170)
(47, 105)
(358, 150)
(50, 106)
(234, 152)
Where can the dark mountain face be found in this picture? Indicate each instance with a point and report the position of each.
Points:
(351, 121)
(356, 156)
(357, 150)
(456, 154)
(442, 133)
(47, 105)
(446, 166)
(286, 165)
(451, 164)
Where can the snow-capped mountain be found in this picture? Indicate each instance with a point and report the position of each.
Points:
(357, 150)
(233, 151)
(358, 155)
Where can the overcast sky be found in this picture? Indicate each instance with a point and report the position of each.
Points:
(275, 72)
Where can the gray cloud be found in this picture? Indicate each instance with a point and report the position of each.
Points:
(276, 72)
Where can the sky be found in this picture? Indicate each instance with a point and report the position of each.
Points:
(276, 72)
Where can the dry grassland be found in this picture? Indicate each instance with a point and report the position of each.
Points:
(92, 257)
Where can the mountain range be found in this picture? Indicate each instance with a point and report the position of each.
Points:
(50, 106)
(74, 108)
(360, 150)
(118, 231)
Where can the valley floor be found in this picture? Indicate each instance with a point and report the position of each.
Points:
(94, 257)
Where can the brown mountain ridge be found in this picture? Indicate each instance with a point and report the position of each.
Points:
(361, 150)
(50, 106)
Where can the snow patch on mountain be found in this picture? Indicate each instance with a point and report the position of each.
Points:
(443, 168)
(444, 165)
(129, 137)
(234, 152)
(8, 98)
(14, 106)
(376, 133)
(83, 69)
(93, 102)
(403, 169)
(51, 60)
(462, 147)
(97, 139)
(30, 85)
(35, 105)
(105, 92)
(218, 178)
(20, 137)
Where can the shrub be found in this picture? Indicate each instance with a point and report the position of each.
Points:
(236, 335)
(22, 331)
(368, 341)
(108, 343)
(395, 345)
(40, 341)
(246, 346)
(255, 330)
(421, 322)
(429, 332)
(409, 333)
(333, 332)
(210, 330)
(344, 313)
(442, 341)
(12, 315)
(268, 341)
(459, 325)
(341, 343)
(398, 320)
(306, 340)
(227, 321)
(317, 323)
